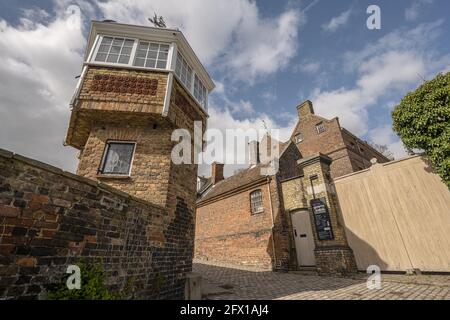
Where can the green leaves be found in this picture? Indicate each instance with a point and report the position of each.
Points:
(92, 286)
(422, 120)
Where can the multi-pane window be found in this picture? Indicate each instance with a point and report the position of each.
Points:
(114, 50)
(184, 71)
(256, 203)
(298, 138)
(117, 158)
(151, 55)
(199, 91)
(320, 127)
(146, 54)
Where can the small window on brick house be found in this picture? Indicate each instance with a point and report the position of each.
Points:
(256, 203)
(298, 138)
(320, 127)
(117, 158)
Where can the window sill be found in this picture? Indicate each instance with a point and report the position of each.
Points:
(257, 213)
(113, 176)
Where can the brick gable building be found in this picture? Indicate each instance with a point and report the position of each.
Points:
(230, 231)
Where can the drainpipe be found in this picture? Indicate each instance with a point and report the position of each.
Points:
(273, 222)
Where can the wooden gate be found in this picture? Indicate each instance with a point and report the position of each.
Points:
(397, 216)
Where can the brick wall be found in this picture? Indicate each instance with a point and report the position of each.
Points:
(50, 219)
(227, 231)
(335, 142)
(127, 105)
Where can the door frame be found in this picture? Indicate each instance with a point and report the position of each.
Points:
(302, 211)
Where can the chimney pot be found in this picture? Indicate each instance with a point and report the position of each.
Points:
(216, 172)
(253, 147)
(305, 109)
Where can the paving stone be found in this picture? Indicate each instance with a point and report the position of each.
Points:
(254, 285)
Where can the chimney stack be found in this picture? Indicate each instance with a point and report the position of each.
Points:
(305, 109)
(217, 172)
(253, 147)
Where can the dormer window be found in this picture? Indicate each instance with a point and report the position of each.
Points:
(114, 50)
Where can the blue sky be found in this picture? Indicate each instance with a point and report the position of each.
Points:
(265, 57)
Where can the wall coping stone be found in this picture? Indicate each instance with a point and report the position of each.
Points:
(47, 167)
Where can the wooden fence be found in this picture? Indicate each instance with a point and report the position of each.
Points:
(397, 216)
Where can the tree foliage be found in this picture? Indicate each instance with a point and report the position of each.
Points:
(93, 286)
(422, 120)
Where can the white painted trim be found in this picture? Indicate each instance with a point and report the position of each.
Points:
(123, 66)
(172, 58)
(165, 111)
(94, 48)
(91, 58)
(78, 87)
(105, 152)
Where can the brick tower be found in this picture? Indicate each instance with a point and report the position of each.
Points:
(138, 85)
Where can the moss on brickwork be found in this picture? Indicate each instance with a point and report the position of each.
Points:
(49, 220)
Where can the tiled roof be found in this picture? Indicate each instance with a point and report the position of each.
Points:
(240, 179)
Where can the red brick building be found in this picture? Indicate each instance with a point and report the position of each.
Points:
(247, 219)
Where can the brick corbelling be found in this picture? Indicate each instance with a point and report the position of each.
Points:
(124, 85)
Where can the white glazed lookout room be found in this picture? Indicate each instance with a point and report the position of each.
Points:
(136, 47)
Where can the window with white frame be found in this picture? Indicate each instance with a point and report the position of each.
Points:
(256, 203)
(298, 138)
(151, 55)
(199, 91)
(320, 127)
(114, 50)
(184, 71)
(117, 158)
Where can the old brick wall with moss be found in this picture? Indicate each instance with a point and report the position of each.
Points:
(50, 219)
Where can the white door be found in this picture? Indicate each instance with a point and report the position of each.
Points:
(304, 239)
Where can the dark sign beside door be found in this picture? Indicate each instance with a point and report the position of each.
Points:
(322, 220)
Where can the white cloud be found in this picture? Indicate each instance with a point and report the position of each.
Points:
(392, 65)
(385, 136)
(308, 66)
(230, 34)
(412, 12)
(39, 62)
(223, 119)
(242, 107)
(337, 22)
(377, 77)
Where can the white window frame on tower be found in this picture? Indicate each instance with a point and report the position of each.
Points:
(191, 86)
(130, 64)
(97, 47)
(171, 64)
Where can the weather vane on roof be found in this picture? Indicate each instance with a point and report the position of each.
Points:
(158, 21)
